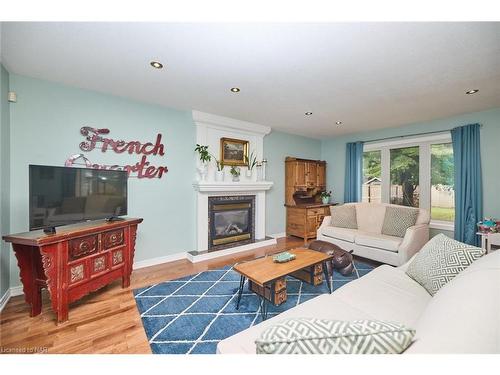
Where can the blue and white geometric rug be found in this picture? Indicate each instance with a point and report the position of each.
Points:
(192, 314)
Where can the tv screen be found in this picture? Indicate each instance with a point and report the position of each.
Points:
(66, 195)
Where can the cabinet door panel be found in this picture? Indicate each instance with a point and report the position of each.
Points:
(300, 173)
(312, 174)
(321, 182)
(312, 225)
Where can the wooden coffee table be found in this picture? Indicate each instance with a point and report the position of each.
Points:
(267, 278)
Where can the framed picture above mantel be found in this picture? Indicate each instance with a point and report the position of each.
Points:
(233, 151)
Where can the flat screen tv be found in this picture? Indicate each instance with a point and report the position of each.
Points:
(67, 195)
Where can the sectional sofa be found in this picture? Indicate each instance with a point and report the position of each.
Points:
(462, 317)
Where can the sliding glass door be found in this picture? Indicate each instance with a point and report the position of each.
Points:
(416, 172)
(405, 176)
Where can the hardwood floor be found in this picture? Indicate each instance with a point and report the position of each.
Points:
(106, 321)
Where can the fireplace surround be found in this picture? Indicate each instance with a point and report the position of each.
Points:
(231, 221)
(209, 130)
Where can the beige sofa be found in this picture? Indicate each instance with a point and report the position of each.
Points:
(368, 241)
(462, 317)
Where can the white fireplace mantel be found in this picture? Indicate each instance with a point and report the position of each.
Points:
(229, 186)
(209, 130)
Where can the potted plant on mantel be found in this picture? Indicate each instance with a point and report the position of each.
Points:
(219, 173)
(204, 160)
(235, 172)
(250, 162)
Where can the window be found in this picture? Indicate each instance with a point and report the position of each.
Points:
(372, 179)
(442, 174)
(405, 176)
(414, 172)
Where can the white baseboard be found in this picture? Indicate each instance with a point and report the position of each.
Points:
(232, 250)
(12, 292)
(16, 291)
(278, 235)
(5, 298)
(159, 260)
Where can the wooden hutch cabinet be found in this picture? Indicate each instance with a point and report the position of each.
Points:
(304, 181)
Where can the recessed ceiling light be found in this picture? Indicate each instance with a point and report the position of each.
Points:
(308, 113)
(470, 92)
(338, 122)
(156, 64)
(235, 89)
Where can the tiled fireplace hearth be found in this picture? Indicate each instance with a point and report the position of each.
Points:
(231, 216)
(231, 221)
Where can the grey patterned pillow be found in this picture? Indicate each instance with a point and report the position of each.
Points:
(398, 219)
(318, 336)
(440, 260)
(344, 216)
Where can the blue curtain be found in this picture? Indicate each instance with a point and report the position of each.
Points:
(353, 172)
(468, 182)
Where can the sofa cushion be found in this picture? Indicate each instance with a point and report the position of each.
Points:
(386, 293)
(440, 260)
(370, 217)
(463, 317)
(344, 216)
(320, 336)
(344, 234)
(398, 219)
(378, 241)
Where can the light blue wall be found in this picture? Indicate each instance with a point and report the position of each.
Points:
(277, 146)
(4, 179)
(45, 124)
(333, 151)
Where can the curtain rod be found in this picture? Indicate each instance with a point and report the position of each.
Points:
(411, 135)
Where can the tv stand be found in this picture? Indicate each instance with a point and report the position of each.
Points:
(75, 261)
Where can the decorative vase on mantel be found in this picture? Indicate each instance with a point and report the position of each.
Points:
(203, 171)
(248, 173)
(219, 175)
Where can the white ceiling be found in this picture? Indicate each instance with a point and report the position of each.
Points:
(368, 75)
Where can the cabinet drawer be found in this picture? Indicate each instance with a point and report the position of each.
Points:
(99, 263)
(112, 238)
(77, 273)
(314, 211)
(83, 246)
(318, 211)
(280, 284)
(117, 257)
(318, 268)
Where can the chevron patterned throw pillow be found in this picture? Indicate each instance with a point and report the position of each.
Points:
(319, 336)
(440, 260)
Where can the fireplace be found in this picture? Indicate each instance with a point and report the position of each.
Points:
(231, 221)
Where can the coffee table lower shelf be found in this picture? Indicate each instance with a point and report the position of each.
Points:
(275, 291)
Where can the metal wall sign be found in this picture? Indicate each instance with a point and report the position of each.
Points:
(97, 139)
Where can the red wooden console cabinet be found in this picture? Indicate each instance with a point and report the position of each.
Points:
(77, 260)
